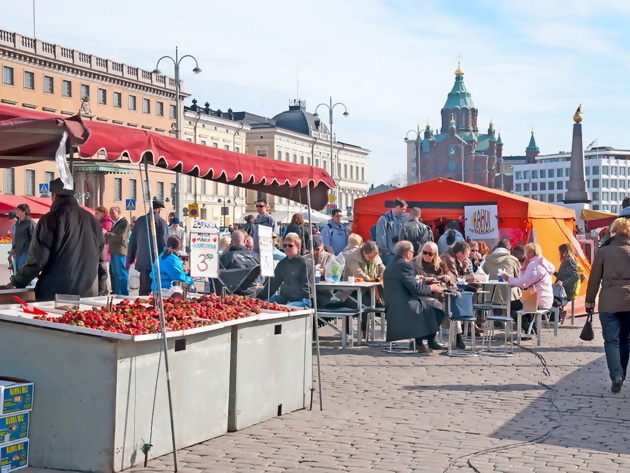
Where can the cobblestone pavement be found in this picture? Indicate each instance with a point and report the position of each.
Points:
(432, 413)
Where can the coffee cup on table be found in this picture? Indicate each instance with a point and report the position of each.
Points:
(351, 279)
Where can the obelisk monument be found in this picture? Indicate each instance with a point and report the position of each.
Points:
(576, 197)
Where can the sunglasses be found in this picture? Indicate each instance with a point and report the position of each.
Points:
(288, 245)
(427, 253)
(260, 206)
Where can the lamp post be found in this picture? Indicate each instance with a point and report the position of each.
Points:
(331, 108)
(176, 62)
(417, 141)
(234, 136)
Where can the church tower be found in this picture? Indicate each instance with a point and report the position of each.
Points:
(532, 150)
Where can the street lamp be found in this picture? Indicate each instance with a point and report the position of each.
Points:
(176, 62)
(331, 107)
(417, 140)
(224, 209)
(234, 136)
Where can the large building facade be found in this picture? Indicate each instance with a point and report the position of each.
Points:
(457, 150)
(54, 79)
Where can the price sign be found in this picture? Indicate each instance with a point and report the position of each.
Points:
(265, 244)
(204, 254)
(204, 226)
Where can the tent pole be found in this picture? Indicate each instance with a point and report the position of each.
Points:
(315, 324)
(159, 303)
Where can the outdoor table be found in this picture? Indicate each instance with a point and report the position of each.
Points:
(353, 286)
(493, 286)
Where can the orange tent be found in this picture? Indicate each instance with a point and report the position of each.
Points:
(520, 219)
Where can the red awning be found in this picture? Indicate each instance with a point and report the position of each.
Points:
(118, 142)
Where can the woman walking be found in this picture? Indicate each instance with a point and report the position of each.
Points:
(611, 269)
(24, 231)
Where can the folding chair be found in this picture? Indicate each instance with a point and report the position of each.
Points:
(236, 281)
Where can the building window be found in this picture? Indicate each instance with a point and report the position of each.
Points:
(29, 182)
(605, 196)
(595, 170)
(622, 171)
(551, 198)
(613, 183)
(102, 96)
(352, 172)
(543, 186)
(279, 155)
(7, 76)
(159, 191)
(286, 155)
(172, 111)
(526, 174)
(48, 176)
(587, 170)
(560, 173)
(595, 183)
(261, 153)
(552, 185)
(595, 195)
(518, 187)
(226, 147)
(613, 196)
(622, 183)
(613, 209)
(215, 144)
(117, 189)
(9, 181)
(543, 173)
(596, 207)
(66, 88)
(526, 187)
(159, 109)
(85, 92)
(117, 100)
(535, 174)
(29, 80)
(560, 185)
(204, 186)
(132, 102)
(49, 85)
(133, 189)
(345, 171)
(605, 183)
(363, 174)
(534, 186)
(146, 106)
(519, 175)
(237, 149)
(605, 170)
(559, 197)
(551, 172)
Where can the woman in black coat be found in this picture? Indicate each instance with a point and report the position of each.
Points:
(298, 227)
(407, 315)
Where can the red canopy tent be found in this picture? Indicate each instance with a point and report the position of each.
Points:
(27, 136)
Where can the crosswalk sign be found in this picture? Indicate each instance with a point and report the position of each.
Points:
(130, 204)
(43, 188)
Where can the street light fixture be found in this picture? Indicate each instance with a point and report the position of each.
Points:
(417, 140)
(331, 107)
(176, 62)
(234, 136)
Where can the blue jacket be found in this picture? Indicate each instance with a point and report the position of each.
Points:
(171, 269)
(335, 236)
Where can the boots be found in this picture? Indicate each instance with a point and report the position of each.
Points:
(459, 342)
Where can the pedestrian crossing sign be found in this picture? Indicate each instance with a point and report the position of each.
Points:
(43, 188)
(130, 204)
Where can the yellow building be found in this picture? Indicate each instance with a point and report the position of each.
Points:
(51, 78)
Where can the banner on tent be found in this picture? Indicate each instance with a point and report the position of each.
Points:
(482, 222)
(265, 244)
(204, 249)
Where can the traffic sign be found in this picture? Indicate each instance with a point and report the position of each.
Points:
(193, 210)
(130, 204)
(331, 198)
(44, 189)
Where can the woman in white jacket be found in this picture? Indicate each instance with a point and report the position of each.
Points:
(535, 273)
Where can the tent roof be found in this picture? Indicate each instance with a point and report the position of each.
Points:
(38, 205)
(446, 198)
(30, 135)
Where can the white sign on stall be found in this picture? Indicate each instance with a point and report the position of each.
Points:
(204, 249)
(265, 244)
(482, 222)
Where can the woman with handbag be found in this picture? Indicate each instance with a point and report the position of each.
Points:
(568, 275)
(534, 276)
(611, 269)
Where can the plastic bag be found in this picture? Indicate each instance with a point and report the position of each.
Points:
(134, 278)
(334, 268)
(481, 276)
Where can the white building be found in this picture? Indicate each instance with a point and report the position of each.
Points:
(607, 173)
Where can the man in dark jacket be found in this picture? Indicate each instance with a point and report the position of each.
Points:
(407, 315)
(117, 240)
(65, 251)
(139, 249)
(263, 218)
(291, 276)
(415, 231)
(238, 256)
(23, 234)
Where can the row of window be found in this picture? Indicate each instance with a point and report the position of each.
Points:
(102, 95)
(30, 185)
(605, 196)
(354, 170)
(588, 171)
(590, 184)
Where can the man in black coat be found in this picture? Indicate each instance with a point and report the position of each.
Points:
(139, 250)
(65, 250)
(415, 231)
(407, 315)
(237, 256)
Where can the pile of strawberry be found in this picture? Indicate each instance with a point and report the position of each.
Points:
(140, 316)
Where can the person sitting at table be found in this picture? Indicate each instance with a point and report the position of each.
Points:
(432, 268)
(171, 266)
(408, 315)
(291, 276)
(364, 262)
(535, 273)
(457, 261)
(501, 261)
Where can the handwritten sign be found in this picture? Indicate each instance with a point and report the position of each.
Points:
(204, 226)
(265, 243)
(482, 222)
(204, 253)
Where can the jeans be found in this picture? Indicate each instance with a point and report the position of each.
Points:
(387, 258)
(119, 275)
(616, 331)
(19, 261)
(278, 299)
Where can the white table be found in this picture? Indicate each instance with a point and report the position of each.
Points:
(354, 286)
(494, 286)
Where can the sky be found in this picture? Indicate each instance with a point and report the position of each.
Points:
(528, 65)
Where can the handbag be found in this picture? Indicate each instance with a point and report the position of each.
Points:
(529, 300)
(587, 331)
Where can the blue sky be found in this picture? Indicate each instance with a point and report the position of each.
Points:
(391, 62)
